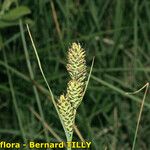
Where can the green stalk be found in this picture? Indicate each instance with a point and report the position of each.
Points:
(69, 139)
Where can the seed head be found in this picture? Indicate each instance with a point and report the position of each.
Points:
(75, 92)
(67, 113)
(76, 65)
(69, 103)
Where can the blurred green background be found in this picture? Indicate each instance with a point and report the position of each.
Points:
(115, 32)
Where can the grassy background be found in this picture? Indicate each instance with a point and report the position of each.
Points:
(115, 32)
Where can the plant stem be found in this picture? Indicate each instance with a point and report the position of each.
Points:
(69, 139)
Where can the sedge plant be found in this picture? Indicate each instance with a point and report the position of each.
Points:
(67, 104)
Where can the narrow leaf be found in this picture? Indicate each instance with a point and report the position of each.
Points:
(15, 14)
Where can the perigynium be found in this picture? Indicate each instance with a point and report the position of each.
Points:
(69, 102)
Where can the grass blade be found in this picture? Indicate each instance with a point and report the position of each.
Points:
(32, 75)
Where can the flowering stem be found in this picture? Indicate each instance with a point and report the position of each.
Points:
(69, 139)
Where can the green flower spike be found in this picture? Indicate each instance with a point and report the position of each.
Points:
(67, 113)
(68, 104)
(75, 92)
(76, 62)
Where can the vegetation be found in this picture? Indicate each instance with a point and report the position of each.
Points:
(115, 32)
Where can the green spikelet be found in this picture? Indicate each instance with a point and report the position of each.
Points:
(67, 113)
(69, 103)
(75, 92)
(76, 67)
(76, 62)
